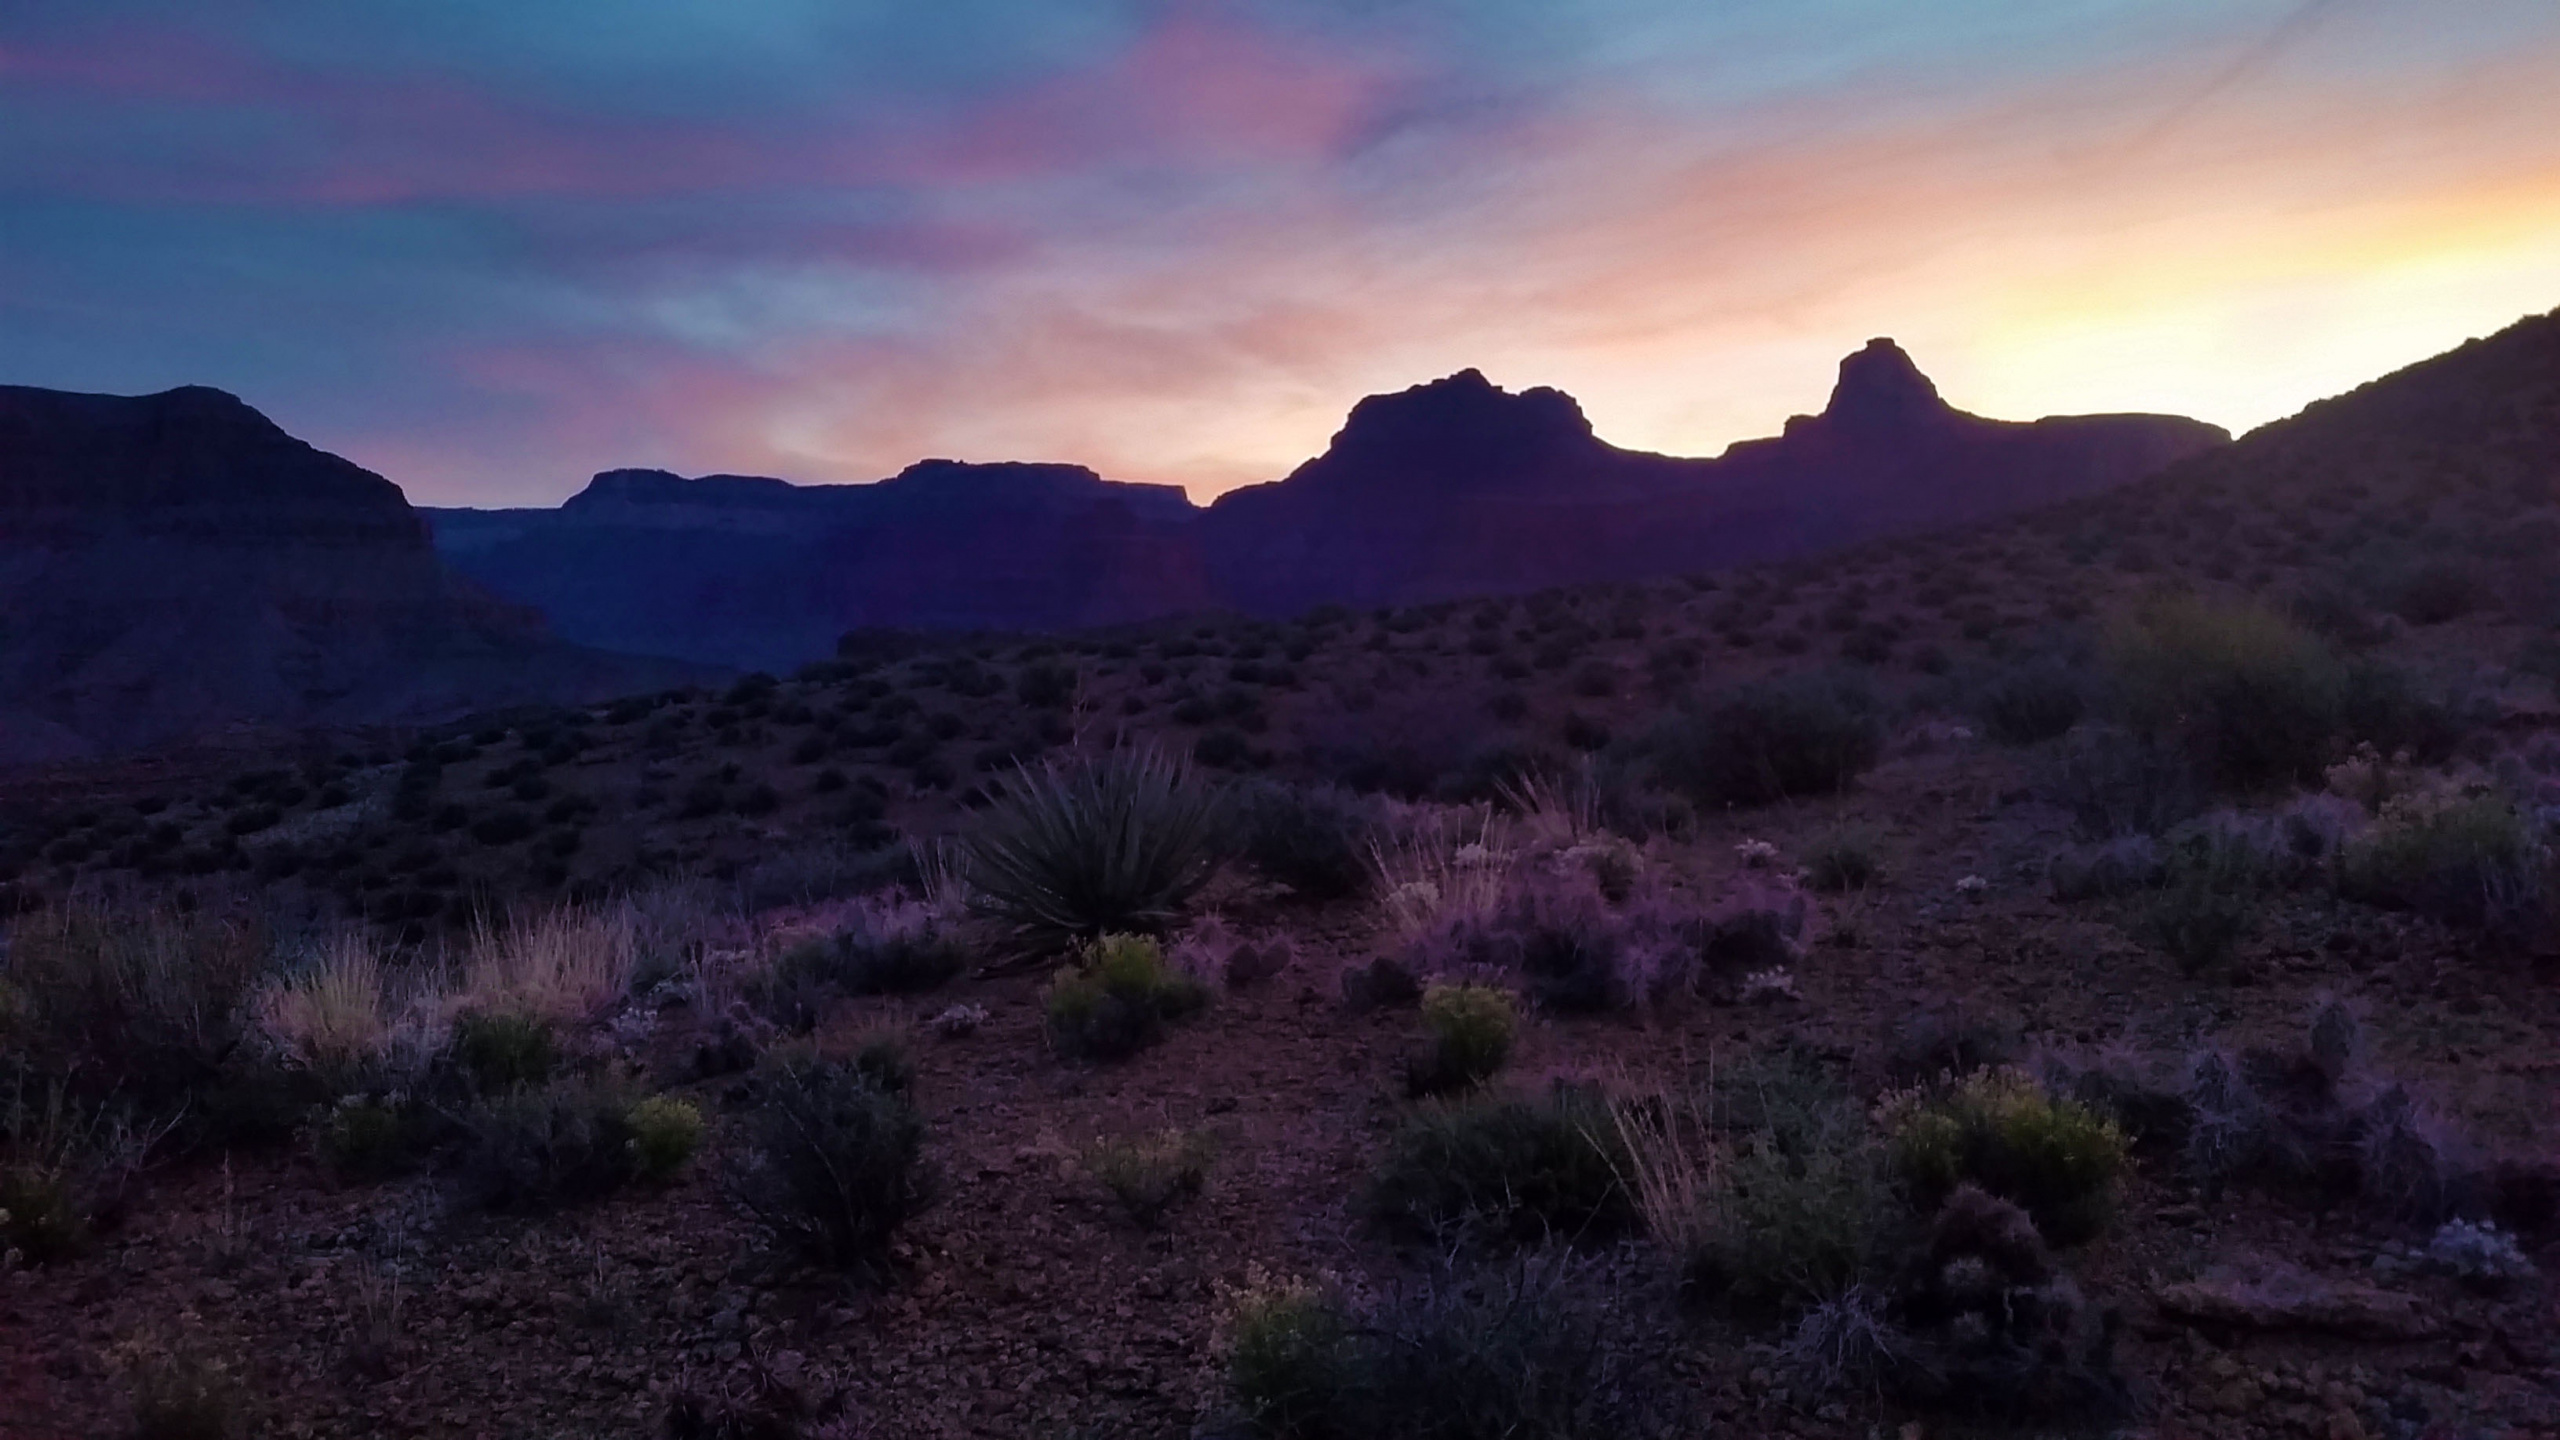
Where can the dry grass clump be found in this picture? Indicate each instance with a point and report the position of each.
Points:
(139, 989)
(1437, 867)
(1150, 1174)
(335, 1017)
(1672, 1166)
(560, 966)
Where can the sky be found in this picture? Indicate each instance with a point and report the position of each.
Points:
(488, 247)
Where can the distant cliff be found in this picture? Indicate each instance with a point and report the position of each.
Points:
(1458, 487)
(174, 563)
(1452, 488)
(755, 572)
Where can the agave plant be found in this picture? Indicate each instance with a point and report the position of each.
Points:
(1115, 843)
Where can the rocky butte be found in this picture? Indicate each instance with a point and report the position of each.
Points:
(172, 564)
(1457, 487)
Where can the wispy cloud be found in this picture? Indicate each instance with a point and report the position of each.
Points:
(490, 248)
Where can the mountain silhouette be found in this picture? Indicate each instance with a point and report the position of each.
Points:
(172, 564)
(1450, 488)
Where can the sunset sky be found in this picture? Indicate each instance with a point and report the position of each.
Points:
(490, 246)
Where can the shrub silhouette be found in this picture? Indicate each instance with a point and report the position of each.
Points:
(1505, 1169)
(1119, 843)
(1806, 735)
(836, 1160)
(2253, 698)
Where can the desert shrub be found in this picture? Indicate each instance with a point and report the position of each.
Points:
(1290, 1363)
(1471, 1030)
(1224, 749)
(64, 1169)
(2024, 704)
(538, 1148)
(1789, 1219)
(665, 1131)
(2251, 698)
(136, 1000)
(2381, 706)
(1149, 1174)
(502, 1050)
(1505, 1168)
(1045, 686)
(835, 1161)
(1513, 1357)
(1849, 1341)
(1807, 735)
(1999, 1129)
(1766, 1194)
(1315, 840)
(2207, 903)
(888, 947)
(504, 827)
(369, 1138)
(2433, 591)
(1119, 844)
(1553, 927)
(1844, 859)
(2471, 861)
(2116, 783)
(1932, 1043)
(1117, 999)
(880, 1056)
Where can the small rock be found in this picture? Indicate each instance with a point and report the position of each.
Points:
(2283, 1298)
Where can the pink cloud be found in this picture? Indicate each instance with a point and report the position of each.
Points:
(1201, 88)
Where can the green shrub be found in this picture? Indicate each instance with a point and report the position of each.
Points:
(1148, 1174)
(1117, 998)
(1999, 1129)
(1845, 859)
(835, 1165)
(2029, 703)
(880, 1057)
(1515, 1357)
(363, 1138)
(2473, 862)
(2207, 906)
(1115, 844)
(2252, 698)
(2381, 706)
(892, 949)
(1291, 1367)
(665, 1131)
(1771, 1195)
(51, 1174)
(1505, 1169)
(138, 1001)
(1472, 1029)
(1806, 735)
(502, 1050)
(1313, 840)
(533, 1149)
(1789, 1219)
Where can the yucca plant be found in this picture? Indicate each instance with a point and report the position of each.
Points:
(1116, 843)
